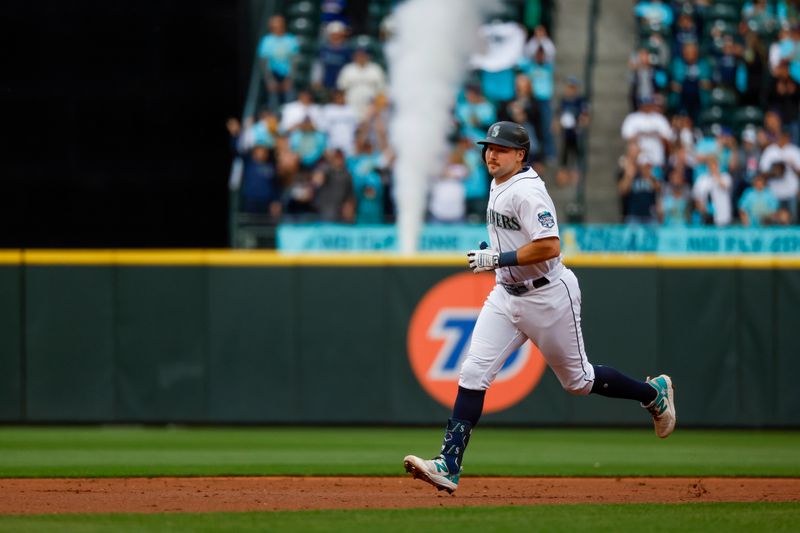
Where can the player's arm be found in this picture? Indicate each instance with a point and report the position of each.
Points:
(536, 251)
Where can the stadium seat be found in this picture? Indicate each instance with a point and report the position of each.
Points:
(747, 115)
(302, 26)
(713, 115)
(369, 43)
(723, 97)
(305, 8)
(723, 11)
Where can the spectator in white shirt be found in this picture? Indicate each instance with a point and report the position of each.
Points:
(361, 80)
(339, 122)
(293, 113)
(786, 186)
(712, 194)
(651, 130)
(540, 39)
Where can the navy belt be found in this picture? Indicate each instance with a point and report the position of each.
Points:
(517, 289)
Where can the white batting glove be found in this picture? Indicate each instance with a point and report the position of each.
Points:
(483, 260)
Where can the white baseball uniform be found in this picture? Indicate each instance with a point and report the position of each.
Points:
(540, 302)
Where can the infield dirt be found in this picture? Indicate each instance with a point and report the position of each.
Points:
(207, 494)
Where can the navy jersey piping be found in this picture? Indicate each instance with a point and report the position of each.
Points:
(577, 338)
(494, 202)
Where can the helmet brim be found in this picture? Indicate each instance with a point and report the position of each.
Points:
(500, 142)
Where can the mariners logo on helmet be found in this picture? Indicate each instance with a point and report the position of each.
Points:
(495, 130)
(438, 341)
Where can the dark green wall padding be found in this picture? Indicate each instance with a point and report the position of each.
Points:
(327, 344)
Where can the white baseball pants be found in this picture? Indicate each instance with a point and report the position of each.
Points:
(550, 316)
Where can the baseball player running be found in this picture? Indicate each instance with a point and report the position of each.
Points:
(536, 297)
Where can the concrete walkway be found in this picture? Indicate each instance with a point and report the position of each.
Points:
(616, 35)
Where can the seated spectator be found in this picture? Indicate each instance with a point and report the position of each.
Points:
(261, 132)
(638, 187)
(278, 51)
(361, 80)
(447, 202)
(476, 183)
(729, 70)
(719, 143)
(524, 109)
(339, 122)
(674, 203)
(691, 82)
(754, 56)
(573, 119)
(683, 132)
(294, 113)
(784, 99)
(643, 82)
(654, 13)
(749, 156)
(541, 74)
(712, 195)
(758, 206)
(368, 186)
(540, 39)
(504, 43)
(475, 114)
(780, 49)
(771, 131)
(686, 31)
(758, 14)
(334, 200)
(333, 55)
(375, 125)
(683, 159)
(784, 185)
(260, 190)
(650, 129)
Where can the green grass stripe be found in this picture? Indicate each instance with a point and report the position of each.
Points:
(127, 451)
(706, 517)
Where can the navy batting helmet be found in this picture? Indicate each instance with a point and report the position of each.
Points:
(509, 134)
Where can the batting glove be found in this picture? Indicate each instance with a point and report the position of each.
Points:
(483, 260)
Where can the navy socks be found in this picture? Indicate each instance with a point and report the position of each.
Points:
(466, 413)
(469, 405)
(614, 384)
(455, 441)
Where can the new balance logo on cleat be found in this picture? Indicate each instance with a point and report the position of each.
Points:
(662, 408)
(434, 472)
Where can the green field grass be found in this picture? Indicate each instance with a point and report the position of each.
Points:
(132, 451)
(725, 517)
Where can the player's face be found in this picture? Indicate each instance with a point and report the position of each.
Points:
(503, 161)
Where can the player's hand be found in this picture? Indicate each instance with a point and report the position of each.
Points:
(483, 260)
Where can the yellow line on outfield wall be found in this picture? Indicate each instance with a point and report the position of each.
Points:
(254, 258)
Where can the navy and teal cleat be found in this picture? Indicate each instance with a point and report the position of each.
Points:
(432, 471)
(663, 407)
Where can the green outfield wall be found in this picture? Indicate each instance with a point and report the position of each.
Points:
(255, 337)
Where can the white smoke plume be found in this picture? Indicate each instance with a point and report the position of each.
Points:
(428, 60)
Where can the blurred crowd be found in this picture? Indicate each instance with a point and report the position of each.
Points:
(318, 149)
(713, 133)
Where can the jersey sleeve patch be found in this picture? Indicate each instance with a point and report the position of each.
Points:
(546, 219)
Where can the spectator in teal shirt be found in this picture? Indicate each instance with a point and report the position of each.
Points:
(758, 205)
(368, 185)
(476, 183)
(540, 71)
(277, 51)
(475, 114)
(308, 143)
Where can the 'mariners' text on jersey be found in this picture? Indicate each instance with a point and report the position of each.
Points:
(502, 221)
